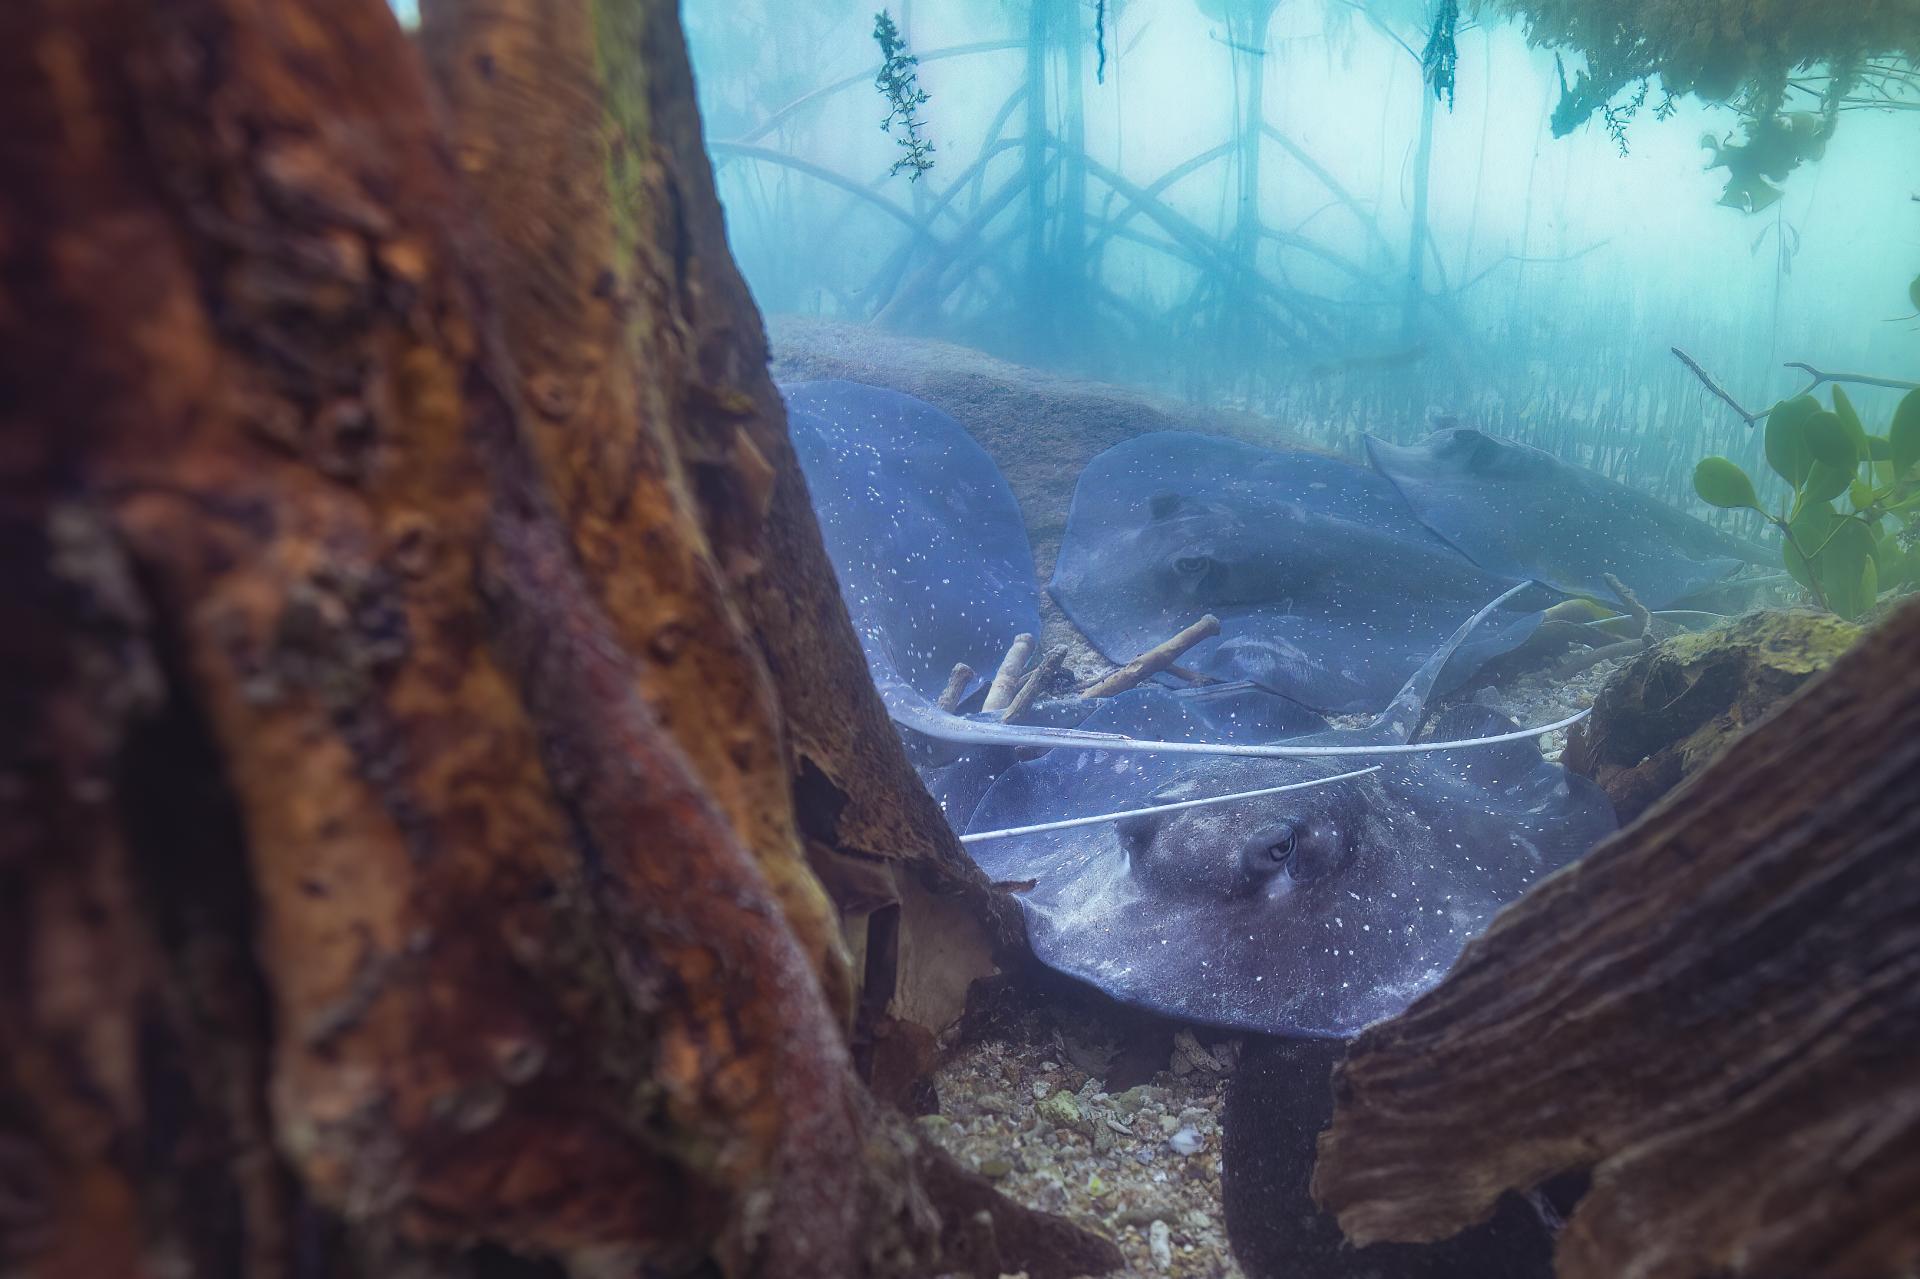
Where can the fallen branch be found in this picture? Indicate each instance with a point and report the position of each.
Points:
(1192, 676)
(1036, 684)
(1154, 660)
(1002, 690)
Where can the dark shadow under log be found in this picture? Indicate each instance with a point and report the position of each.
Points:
(1717, 1012)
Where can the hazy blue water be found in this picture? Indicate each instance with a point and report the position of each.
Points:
(1556, 274)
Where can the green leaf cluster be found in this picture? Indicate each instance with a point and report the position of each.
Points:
(1850, 523)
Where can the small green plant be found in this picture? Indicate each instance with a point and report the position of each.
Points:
(1849, 527)
(899, 84)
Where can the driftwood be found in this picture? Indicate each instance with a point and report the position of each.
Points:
(957, 681)
(416, 794)
(1155, 660)
(1670, 711)
(1715, 1012)
(1036, 684)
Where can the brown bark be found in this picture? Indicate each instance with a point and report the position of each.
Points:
(410, 777)
(1715, 1012)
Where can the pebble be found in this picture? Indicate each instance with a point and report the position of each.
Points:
(1063, 1111)
(1160, 1244)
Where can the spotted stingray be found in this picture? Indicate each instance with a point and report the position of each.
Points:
(935, 568)
(1314, 912)
(1518, 512)
(924, 534)
(1327, 588)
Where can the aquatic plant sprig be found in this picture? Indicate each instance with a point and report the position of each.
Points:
(1846, 557)
(899, 83)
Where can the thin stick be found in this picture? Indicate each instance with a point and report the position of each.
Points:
(1036, 683)
(1010, 667)
(1192, 676)
(1821, 377)
(1155, 659)
(1638, 642)
(981, 837)
(1642, 619)
(1719, 391)
(956, 687)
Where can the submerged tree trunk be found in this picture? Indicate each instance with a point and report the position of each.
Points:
(415, 774)
(1715, 1014)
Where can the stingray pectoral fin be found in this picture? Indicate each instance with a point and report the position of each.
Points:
(1403, 714)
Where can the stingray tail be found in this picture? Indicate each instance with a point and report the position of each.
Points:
(1403, 715)
(912, 710)
(1152, 810)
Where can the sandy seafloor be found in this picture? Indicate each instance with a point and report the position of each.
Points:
(1039, 1104)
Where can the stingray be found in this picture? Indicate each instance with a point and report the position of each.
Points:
(1315, 912)
(1327, 589)
(935, 569)
(924, 534)
(1518, 512)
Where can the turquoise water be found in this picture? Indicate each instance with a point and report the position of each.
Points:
(1266, 206)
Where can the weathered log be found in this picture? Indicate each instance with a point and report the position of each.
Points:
(1715, 1012)
(1673, 709)
(377, 894)
(1156, 659)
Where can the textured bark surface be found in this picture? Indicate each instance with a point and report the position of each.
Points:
(1715, 1012)
(406, 782)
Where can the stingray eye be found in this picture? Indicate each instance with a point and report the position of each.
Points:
(1192, 565)
(1269, 851)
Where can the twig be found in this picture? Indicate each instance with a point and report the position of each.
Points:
(956, 686)
(1011, 665)
(1640, 641)
(1642, 619)
(1154, 660)
(1036, 684)
(1821, 377)
(1192, 676)
(1719, 391)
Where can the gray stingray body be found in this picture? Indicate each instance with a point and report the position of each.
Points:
(1311, 913)
(925, 536)
(1519, 512)
(1327, 589)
